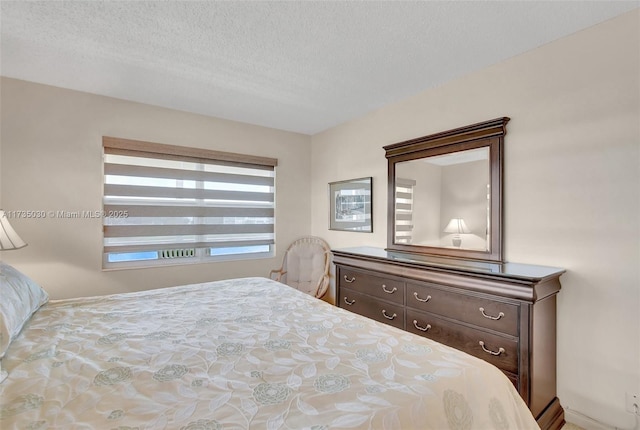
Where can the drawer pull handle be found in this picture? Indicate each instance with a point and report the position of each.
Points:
(415, 294)
(384, 288)
(488, 351)
(415, 324)
(346, 300)
(349, 281)
(500, 315)
(389, 317)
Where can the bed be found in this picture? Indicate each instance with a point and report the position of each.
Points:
(235, 354)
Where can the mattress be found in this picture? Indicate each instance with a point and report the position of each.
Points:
(238, 354)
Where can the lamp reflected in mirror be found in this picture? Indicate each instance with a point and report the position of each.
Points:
(457, 226)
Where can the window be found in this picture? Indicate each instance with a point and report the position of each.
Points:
(404, 210)
(166, 204)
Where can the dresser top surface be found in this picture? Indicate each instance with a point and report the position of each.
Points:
(507, 270)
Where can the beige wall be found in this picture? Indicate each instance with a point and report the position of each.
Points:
(572, 190)
(52, 160)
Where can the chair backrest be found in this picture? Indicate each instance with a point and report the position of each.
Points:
(306, 264)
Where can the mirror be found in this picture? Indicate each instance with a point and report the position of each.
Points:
(445, 193)
(449, 194)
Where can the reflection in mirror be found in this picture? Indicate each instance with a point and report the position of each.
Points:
(450, 195)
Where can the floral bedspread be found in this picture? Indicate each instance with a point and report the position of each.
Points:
(238, 354)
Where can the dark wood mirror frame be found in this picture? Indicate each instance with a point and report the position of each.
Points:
(485, 134)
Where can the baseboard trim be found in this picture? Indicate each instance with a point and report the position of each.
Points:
(584, 421)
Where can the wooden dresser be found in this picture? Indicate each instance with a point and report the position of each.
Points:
(504, 313)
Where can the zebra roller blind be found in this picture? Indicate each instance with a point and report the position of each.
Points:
(404, 210)
(166, 203)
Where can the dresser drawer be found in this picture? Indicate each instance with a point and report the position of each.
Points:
(487, 313)
(379, 310)
(497, 350)
(379, 286)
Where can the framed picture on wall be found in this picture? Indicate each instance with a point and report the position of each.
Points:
(350, 205)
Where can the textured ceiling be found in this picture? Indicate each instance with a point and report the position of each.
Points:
(301, 66)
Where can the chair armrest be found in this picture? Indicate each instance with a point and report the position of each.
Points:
(323, 286)
(280, 273)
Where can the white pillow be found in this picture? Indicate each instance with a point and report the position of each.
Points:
(20, 297)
